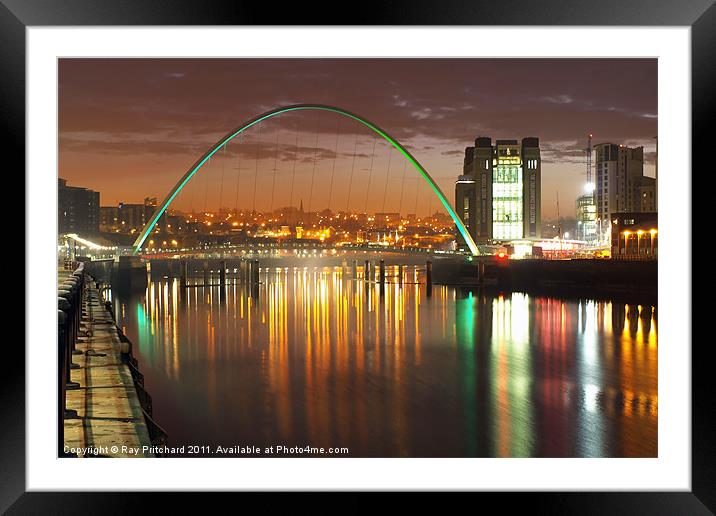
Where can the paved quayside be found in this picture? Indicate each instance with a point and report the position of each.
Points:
(107, 404)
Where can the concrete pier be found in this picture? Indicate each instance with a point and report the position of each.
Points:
(183, 269)
(222, 272)
(131, 273)
(429, 278)
(254, 272)
(109, 412)
(204, 272)
(634, 279)
(207, 277)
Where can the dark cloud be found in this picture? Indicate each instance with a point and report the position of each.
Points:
(127, 124)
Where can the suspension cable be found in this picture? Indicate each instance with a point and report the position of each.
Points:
(313, 173)
(238, 174)
(370, 174)
(387, 177)
(350, 181)
(256, 172)
(295, 159)
(191, 202)
(417, 194)
(221, 184)
(206, 184)
(275, 167)
(333, 168)
(402, 186)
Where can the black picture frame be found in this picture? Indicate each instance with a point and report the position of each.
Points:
(700, 15)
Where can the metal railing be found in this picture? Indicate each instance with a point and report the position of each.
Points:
(70, 298)
(71, 295)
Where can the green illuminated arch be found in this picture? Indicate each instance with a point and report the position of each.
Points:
(299, 107)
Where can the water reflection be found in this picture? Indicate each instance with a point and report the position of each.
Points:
(322, 359)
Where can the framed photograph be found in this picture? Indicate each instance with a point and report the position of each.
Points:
(433, 248)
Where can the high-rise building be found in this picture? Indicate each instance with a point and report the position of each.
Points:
(130, 218)
(586, 216)
(645, 194)
(621, 186)
(585, 207)
(77, 209)
(109, 219)
(498, 194)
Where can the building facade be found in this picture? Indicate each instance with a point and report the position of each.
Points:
(586, 217)
(130, 218)
(621, 186)
(498, 194)
(108, 219)
(77, 209)
(635, 235)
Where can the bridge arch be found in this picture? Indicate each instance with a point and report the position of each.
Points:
(301, 107)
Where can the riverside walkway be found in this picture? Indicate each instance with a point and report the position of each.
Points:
(109, 415)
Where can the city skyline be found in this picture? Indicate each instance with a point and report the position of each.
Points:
(142, 123)
(325, 255)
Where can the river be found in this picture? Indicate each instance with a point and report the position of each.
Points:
(317, 358)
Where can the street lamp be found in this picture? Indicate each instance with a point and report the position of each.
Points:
(638, 241)
(652, 233)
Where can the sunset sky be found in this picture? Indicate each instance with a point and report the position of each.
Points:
(130, 128)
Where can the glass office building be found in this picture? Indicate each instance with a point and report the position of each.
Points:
(507, 197)
(586, 211)
(498, 194)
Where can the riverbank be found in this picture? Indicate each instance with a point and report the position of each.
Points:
(111, 420)
(594, 278)
(630, 281)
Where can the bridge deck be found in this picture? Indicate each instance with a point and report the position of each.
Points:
(109, 412)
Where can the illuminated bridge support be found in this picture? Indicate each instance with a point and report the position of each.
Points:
(302, 107)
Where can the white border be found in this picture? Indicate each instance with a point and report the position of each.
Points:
(670, 471)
